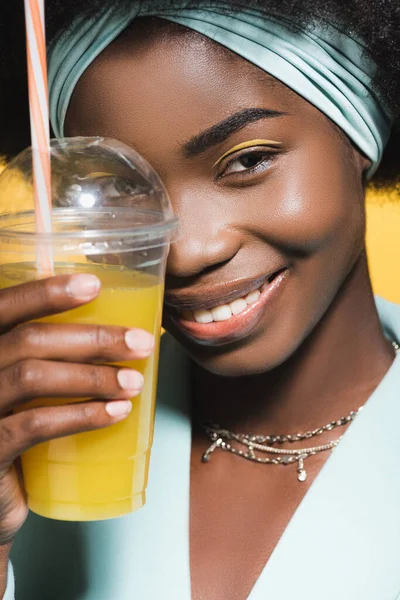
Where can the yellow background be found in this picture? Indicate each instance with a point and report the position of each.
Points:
(383, 242)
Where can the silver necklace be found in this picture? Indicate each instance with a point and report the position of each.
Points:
(257, 445)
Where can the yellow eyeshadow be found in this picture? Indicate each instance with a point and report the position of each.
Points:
(248, 144)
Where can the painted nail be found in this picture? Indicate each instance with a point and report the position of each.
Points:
(119, 408)
(130, 380)
(137, 339)
(83, 286)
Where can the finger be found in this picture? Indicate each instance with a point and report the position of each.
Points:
(74, 343)
(32, 378)
(30, 427)
(45, 297)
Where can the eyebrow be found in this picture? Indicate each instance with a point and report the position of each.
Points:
(221, 131)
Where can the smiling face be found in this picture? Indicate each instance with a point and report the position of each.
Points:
(268, 191)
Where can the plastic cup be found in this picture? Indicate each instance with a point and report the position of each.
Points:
(111, 217)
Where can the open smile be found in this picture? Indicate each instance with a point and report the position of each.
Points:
(229, 321)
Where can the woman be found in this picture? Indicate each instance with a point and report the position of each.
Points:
(265, 125)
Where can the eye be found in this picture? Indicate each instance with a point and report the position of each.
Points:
(245, 162)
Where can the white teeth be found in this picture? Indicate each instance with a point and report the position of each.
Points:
(237, 306)
(221, 313)
(253, 297)
(203, 316)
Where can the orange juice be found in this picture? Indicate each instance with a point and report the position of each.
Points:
(99, 474)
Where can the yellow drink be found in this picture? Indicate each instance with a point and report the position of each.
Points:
(98, 474)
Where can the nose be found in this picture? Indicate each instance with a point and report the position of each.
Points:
(205, 243)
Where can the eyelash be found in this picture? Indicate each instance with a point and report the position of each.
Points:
(267, 157)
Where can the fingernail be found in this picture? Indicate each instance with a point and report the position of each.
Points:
(119, 408)
(130, 380)
(137, 339)
(83, 286)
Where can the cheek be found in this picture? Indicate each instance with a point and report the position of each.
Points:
(307, 206)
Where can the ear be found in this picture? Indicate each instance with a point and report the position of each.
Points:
(364, 163)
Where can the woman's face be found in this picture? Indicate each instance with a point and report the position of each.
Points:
(268, 191)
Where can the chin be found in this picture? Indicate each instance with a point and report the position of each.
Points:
(260, 351)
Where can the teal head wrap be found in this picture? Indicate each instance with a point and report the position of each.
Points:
(327, 67)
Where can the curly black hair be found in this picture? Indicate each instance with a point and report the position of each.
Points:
(377, 22)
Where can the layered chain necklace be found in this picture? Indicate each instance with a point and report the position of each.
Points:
(255, 446)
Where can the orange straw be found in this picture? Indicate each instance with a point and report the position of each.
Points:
(40, 131)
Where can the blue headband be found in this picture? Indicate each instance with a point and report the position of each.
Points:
(323, 65)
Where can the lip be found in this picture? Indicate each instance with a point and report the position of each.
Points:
(217, 295)
(237, 326)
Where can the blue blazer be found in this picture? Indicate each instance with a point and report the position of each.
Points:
(343, 541)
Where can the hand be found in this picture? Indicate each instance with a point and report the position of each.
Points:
(39, 360)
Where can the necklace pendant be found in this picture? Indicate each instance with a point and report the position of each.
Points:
(302, 473)
(302, 476)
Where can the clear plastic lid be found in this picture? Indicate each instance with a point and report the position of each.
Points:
(105, 198)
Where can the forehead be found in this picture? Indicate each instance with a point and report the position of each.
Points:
(159, 76)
